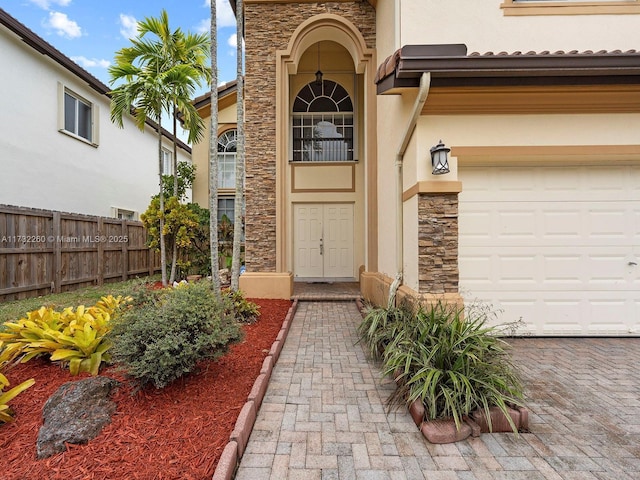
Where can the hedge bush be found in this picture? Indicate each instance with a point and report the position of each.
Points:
(167, 332)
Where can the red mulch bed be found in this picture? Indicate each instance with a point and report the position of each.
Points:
(178, 432)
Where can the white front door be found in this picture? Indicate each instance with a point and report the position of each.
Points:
(323, 240)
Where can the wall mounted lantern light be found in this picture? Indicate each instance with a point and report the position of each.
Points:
(319, 72)
(439, 161)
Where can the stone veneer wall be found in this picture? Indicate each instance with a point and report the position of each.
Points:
(438, 243)
(268, 28)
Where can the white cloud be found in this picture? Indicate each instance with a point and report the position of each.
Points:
(224, 16)
(63, 26)
(232, 41)
(45, 4)
(204, 26)
(91, 62)
(129, 26)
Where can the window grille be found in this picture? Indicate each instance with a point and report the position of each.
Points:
(322, 124)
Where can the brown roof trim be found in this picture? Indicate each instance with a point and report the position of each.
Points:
(41, 46)
(449, 65)
(225, 89)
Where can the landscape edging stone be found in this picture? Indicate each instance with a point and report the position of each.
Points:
(225, 470)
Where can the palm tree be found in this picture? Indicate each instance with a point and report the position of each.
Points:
(188, 49)
(158, 76)
(240, 169)
(213, 156)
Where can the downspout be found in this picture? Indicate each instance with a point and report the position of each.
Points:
(423, 92)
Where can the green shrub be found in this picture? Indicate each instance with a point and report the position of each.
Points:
(446, 357)
(245, 311)
(169, 331)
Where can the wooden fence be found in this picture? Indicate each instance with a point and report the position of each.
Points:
(44, 251)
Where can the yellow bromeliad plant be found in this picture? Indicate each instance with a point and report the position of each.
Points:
(6, 355)
(5, 411)
(73, 336)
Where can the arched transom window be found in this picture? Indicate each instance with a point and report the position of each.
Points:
(323, 129)
(227, 159)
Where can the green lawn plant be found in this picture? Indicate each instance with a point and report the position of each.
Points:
(245, 311)
(446, 357)
(168, 332)
(75, 337)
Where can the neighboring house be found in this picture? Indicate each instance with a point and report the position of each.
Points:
(539, 102)
(227, 118)
(58, 147)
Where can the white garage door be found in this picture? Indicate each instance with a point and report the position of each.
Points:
(558, 248)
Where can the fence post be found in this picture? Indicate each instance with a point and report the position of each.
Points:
(57, 252)
(125, 250)
(100, 272)
(150, 256)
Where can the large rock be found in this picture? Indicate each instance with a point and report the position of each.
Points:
(76, 413)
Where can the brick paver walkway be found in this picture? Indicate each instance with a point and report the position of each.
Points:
(323, 416)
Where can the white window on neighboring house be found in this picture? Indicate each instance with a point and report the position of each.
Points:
(226, 207)
(123, 214)
(227, 142)
(77, 116)
(167, 162)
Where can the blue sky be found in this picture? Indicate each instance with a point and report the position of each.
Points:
(91, 31)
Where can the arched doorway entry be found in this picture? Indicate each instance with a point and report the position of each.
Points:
(325, 156)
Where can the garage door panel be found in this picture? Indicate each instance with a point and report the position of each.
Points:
(573, 266)
(475, 225)
(562, 270)
(517, 269)
(543, 220)
(560, 225)
(564, 315)
(608, 269)
(552, 184)
(634, 221)
(517, 224)
(477, 268)
(607, 315)
(608, 223)
(555, 247)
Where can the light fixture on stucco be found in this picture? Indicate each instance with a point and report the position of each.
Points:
(439, 161)
(319, 72)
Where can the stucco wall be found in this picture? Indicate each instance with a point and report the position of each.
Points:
(269, 28)
(482, 26)
(43, 168)
(393, 117)
(519, 130)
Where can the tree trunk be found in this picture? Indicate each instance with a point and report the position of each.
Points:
(213, 156)
(238, 226)
(163, 249)
(174, 255)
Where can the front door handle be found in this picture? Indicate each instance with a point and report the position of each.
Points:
(321, 247)
(632, 264)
